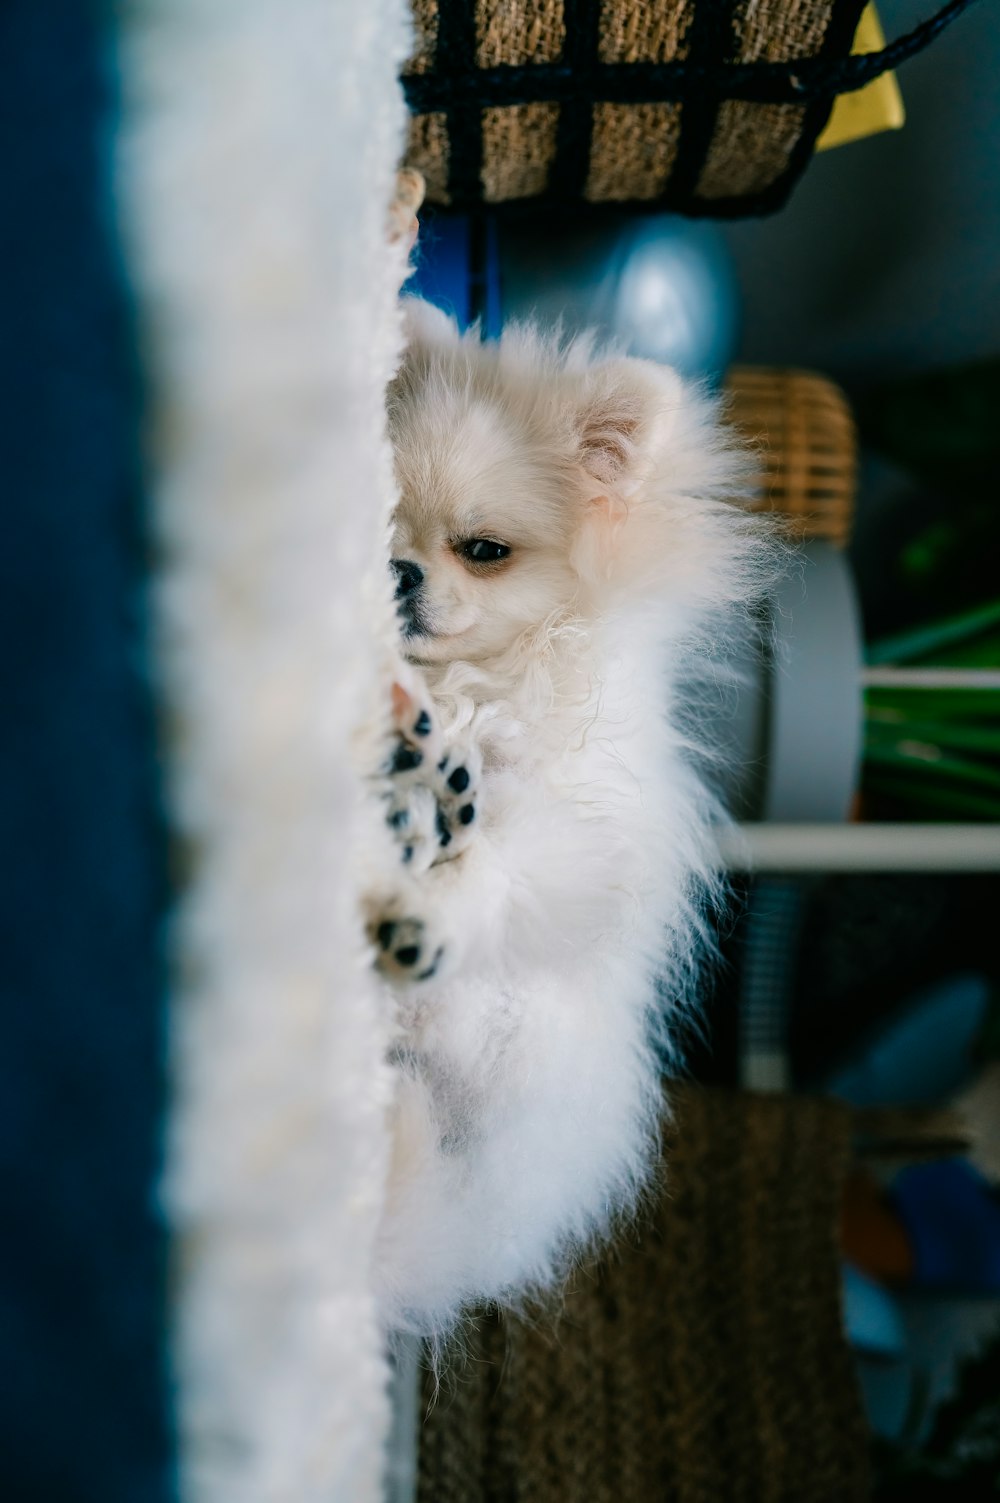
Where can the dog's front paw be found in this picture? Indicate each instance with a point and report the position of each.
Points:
(459, 771)
(433, 787)
(407, 950)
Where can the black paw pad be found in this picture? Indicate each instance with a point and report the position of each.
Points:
(459, 780)
(444, 834)
(405, 758)
(467, 813)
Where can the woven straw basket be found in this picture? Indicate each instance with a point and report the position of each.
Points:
(802, 428)
(699, 106)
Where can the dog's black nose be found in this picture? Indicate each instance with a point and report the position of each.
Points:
(409, 576)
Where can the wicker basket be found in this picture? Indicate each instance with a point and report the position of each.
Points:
(803, 429)
(698, 106)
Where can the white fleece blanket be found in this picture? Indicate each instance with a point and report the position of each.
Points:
(258, 147)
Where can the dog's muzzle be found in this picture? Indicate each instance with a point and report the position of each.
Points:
(409, 578)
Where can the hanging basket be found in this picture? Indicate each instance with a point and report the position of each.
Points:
(703, 107)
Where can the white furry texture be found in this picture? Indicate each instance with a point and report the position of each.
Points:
(260, 141)
(570, 925)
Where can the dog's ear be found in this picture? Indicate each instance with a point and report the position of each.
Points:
(624, 413)
(425, 326)
(427, 332)
(623, 409)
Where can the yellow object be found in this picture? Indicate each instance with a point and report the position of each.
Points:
(876, 107)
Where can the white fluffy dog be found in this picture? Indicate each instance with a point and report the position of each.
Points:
(566, 552)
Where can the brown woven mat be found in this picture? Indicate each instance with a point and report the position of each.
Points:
(701, 1361)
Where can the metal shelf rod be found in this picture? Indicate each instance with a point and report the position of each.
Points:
(861, 847)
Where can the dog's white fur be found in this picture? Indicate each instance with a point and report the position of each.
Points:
(571, 925)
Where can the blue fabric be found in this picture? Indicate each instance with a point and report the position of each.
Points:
(442, 263)
(83, 1412)
(952, 1217)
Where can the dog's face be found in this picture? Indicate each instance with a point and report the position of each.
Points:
(482, 535)
(518, 471)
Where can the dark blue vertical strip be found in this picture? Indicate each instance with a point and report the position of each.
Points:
(82, 1407)
(492, 291)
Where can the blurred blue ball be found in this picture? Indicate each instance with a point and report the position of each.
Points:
(658, 286)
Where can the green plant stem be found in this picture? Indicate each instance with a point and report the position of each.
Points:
(907, 646)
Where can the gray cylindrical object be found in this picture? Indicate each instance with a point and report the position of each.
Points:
(789, 736)
(813, 693)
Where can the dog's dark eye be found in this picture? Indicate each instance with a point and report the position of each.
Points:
(483, 550)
